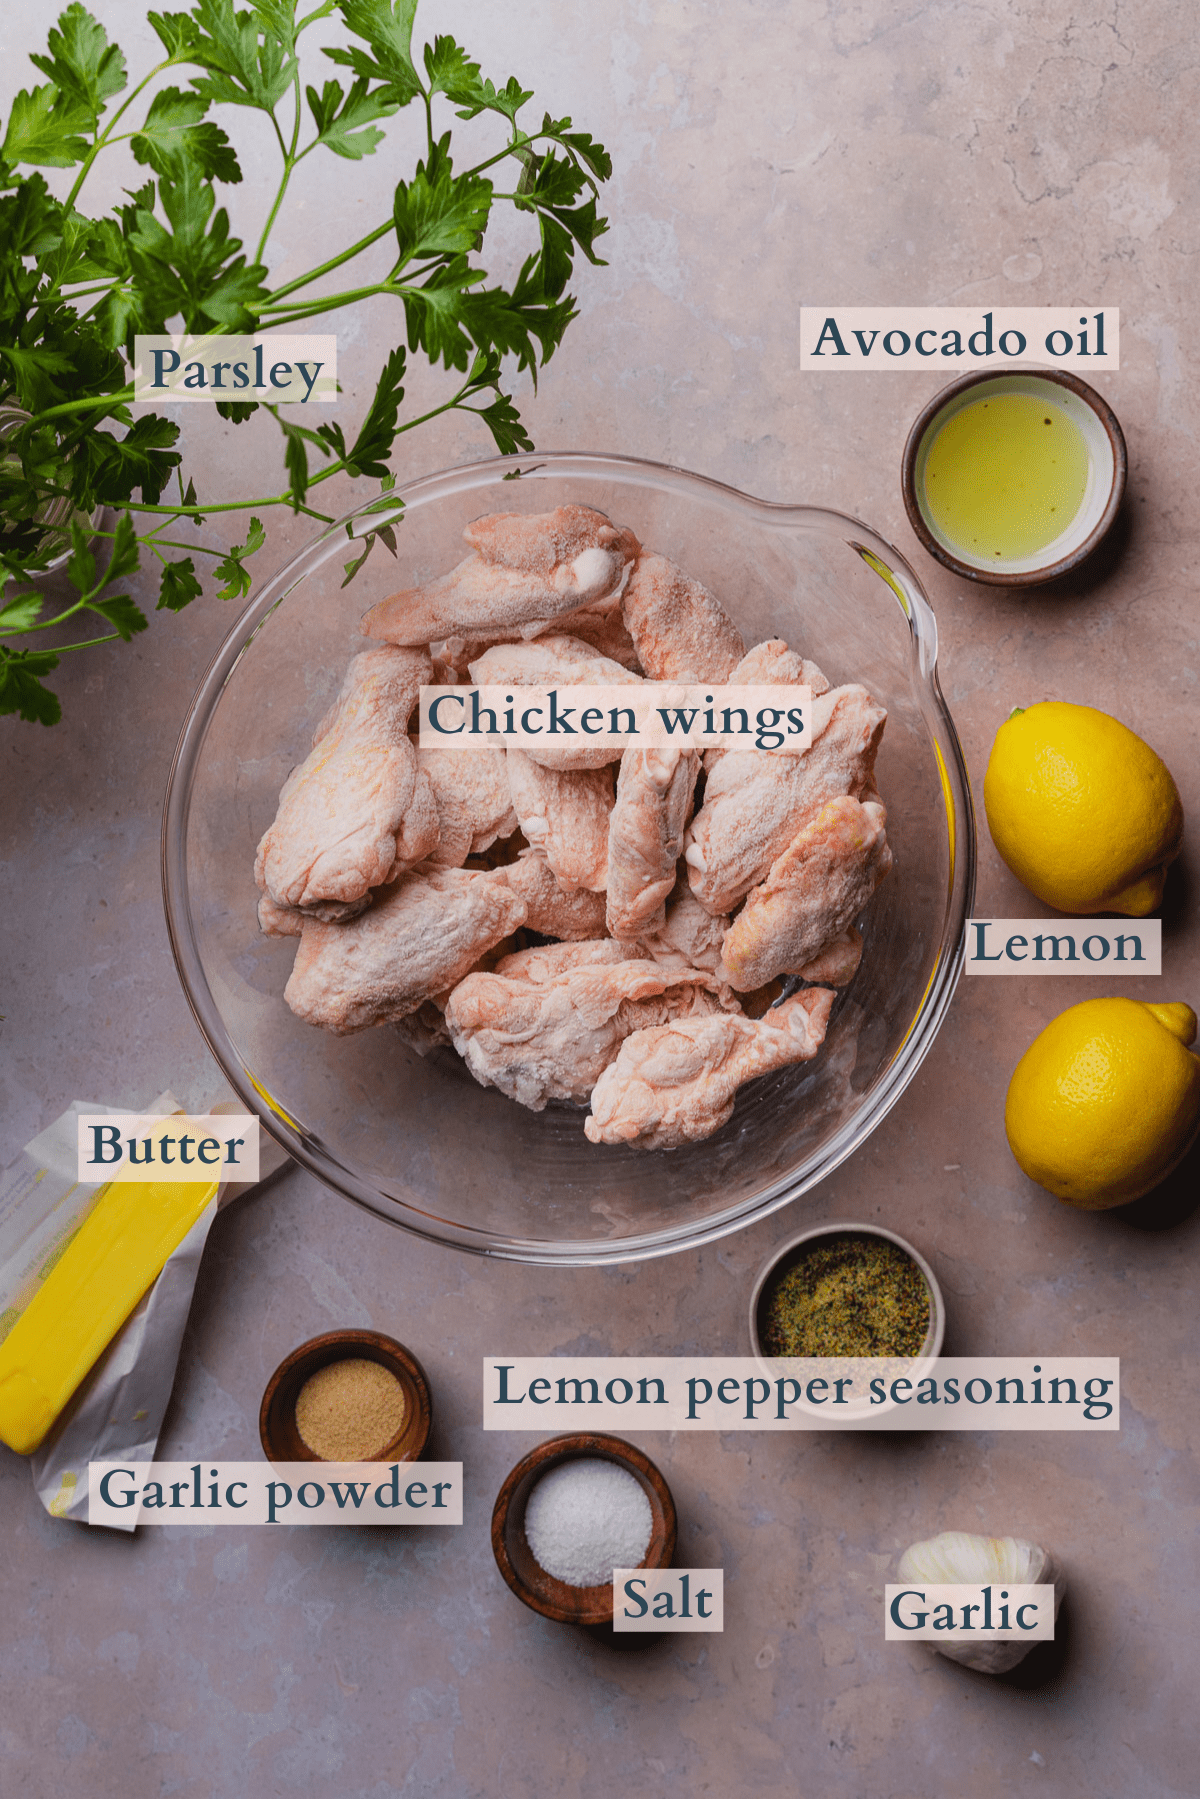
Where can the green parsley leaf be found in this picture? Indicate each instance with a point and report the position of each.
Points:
(21, 688)
(507, 100)
(44, 127)
(433, 313)
(452, 73)
(195, 269)
(383, 533)
(335, 438)
(177, 32)
(295, 460)
(387, 28)
(75, 249)
(175, 127)
(81, 569)
(82, 63)
(125, 617)
(521, 323)
(22, 613)
(31, 369)
(348, 132)
(352, 567)
(124, 558)
(246, 66)
(436, 215)
(31, 222)
(548, 186)
(142, 458)
(237, 579)
(179, 586)
(450, 70)
(504, 422)
(378, 430)
(579, 144)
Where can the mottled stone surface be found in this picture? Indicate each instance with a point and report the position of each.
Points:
(767, 154)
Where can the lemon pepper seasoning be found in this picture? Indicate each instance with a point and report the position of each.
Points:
(848, 1296)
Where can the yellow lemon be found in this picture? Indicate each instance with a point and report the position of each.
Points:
(1083, 812)
(1106, 1101)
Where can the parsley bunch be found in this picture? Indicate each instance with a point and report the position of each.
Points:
(75, 290)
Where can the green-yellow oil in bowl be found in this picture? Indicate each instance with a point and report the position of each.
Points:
(1005, 476)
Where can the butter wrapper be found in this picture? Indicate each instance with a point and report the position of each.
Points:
(116, 1413)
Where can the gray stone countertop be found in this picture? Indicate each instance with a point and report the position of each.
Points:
(766, 155)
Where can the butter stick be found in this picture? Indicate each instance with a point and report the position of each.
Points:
(112, 1259)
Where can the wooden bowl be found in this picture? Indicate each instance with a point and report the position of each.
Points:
(530, 1582)
(281, 1440)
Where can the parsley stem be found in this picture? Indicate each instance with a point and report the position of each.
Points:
(290, 160)
(334, 262)
(285, 499)
(332, 302)
(106, 136)
(280, 192)
(276, 499)
(70, 612)
(90, 644)
(152, 541)
(106, 400)
(522, 140)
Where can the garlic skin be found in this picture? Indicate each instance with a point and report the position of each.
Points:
(955, 1558)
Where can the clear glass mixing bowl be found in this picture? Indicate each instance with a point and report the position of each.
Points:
(417, 1141)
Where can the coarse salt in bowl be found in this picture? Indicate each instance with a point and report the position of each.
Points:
(565, 1600)
(586, 1517)
(419, 1142)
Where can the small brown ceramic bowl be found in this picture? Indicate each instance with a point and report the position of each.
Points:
(556, 1598)
(1107, 469)
(281, 1440)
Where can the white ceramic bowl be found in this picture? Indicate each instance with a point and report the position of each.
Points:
(787, 1254)
(1107, 466)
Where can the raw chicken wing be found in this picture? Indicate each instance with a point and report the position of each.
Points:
(556, 661)
(552, 1039)
(415, 943)
(680, 631)
(600, 625)
(525, 570)
(549, 908)
(690, 937)
(565, 814)
(645, 836)
(755, 802)
(474, 803)
(836, 962)
(537, 543)
(813, 892)
(288, 921)
(357, 811)
(772, 664)
(676, 1083)
(546, 961)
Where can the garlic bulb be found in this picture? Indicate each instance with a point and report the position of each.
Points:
(958, 1559)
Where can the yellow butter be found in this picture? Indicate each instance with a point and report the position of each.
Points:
(98, 1280)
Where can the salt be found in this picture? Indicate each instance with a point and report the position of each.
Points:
(585, 1518)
